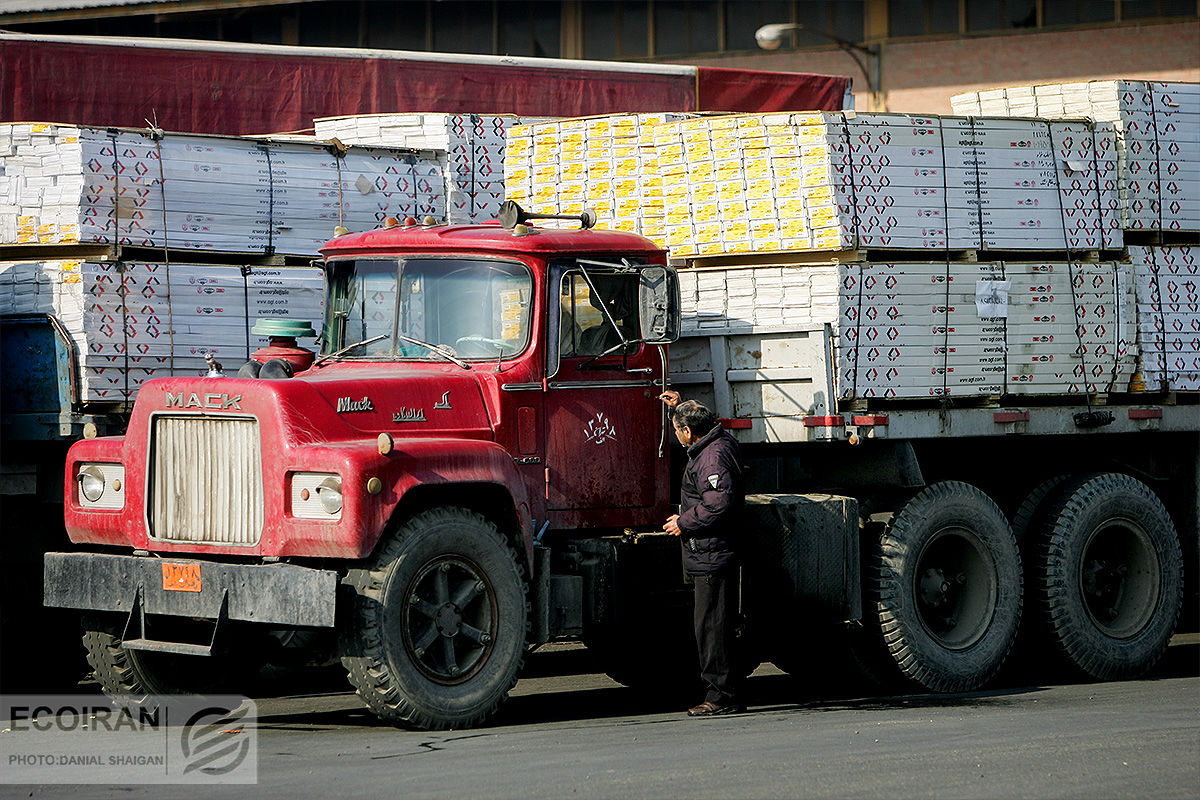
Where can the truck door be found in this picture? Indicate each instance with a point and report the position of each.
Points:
(604, 421)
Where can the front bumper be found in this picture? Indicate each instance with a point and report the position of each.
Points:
(275, 594)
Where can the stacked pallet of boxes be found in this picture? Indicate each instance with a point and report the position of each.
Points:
(470, 148)
(607, 164)
(80, 194)
(1158, 145)
(920, 188)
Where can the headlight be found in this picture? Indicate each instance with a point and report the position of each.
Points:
(330, 494)
(101, 486)
(316, 495)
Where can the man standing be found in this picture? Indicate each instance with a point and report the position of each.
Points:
(710, 511)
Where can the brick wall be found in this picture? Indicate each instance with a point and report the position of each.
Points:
(920, 76)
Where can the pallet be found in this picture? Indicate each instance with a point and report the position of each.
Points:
(800, 258)
(868, 405)
(1162, 238)
(152, 255)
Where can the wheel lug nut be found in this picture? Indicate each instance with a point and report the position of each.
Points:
(486, 638)
(413, 599)
(479, 587)
(445, 567)
(419, 652)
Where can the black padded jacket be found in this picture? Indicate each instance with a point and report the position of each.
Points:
(712, 503)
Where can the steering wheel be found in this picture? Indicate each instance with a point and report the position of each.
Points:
(499, 344)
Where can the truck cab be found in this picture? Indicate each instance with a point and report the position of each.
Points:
(480, 391)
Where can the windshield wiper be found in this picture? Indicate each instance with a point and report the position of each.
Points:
(349, 347)
(435, 349)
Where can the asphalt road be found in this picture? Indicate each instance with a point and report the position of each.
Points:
(580, 735)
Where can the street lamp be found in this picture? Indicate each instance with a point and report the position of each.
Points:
(770, 37)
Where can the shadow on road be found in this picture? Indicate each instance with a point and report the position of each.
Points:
(581, 699)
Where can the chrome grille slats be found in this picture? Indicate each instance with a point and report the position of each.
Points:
(206, 485)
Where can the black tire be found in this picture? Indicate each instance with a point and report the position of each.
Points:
(139, 676)
(1028, 515)
(1110, 576)
(438, 628)
(948, 588)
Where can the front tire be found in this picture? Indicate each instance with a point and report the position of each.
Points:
(948, 588)
(437, 631)
(138, 677)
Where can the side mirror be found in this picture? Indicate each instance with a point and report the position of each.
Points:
(658, 305)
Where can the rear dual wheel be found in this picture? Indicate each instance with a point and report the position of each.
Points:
(946, 589)
(1109, 575)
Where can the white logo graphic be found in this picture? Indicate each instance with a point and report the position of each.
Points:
(600, 430)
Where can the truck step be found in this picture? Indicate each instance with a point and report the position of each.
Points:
(182, 648)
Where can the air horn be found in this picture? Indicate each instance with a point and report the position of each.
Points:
(512, 215)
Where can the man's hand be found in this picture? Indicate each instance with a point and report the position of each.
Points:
(670, 398)
(671, 526)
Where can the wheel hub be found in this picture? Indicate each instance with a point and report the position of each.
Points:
(955, 588)
(448, 620)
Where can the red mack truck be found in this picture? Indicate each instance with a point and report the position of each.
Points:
(477, 462)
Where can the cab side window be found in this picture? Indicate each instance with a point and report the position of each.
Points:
(583, 328)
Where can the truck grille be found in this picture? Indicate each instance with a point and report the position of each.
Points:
(206, 480)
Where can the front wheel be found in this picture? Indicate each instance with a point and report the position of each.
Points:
(437, 632)
(948, 588)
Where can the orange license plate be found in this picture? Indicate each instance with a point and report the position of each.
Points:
(181, 577)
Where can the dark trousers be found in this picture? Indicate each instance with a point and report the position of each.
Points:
(716, 620)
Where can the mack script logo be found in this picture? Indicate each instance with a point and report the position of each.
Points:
(345, 404)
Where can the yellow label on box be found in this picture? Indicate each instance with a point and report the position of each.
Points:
(626, 166)
(545, 173)
(626, 151)
(707, 231)
(754, 143)
(710, 248)
(545, 195)
(757, 168)
(702, 192)
(764, 228)
(817, 177)
(758, 188)
(803, 243)
(790, 207)
(732, 209)
(674, 189)
(750, 123)
(828, 237)
(576, 125)
(731, 190)
(624, 187)
(761, 208)
(793, 227)
(822, 216)
(599, 190)
(627, 206)
(735, 229)
(819, 194)
(739, 246)
(706, 212)
(722, 150)
(599, 169)
(572, 190)
(698, 152)
(602, 206)
(676, 216)
(570, 207)
(573, 171)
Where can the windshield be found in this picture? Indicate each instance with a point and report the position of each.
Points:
(470, 308)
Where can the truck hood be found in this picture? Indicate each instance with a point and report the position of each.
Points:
(336, 402)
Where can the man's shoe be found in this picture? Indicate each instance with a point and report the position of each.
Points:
(711, 709)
